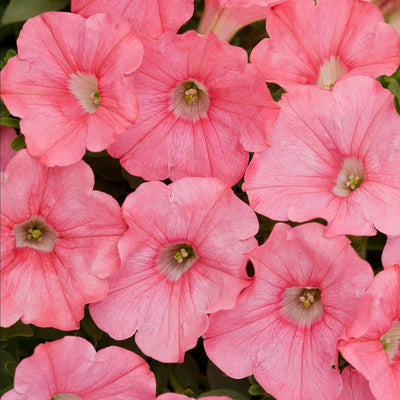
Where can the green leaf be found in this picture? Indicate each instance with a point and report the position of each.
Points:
(18, 143)
(394, 87)
(256, 390)
(161, 373)
(11, 122)
(91, 328)
(10, 367)
(21, 10)
(17, 330)
(233, 394)
(188, 373)
(9, 54)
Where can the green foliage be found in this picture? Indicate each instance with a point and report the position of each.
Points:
(18, 143)
(393, 84)
(17, 330)
(9, 54)
(21, 10)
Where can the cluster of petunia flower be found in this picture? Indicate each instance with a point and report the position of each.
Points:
(169, 265)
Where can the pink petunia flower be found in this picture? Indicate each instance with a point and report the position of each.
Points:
(391, 251)
(371, 342)
(149, 17)
(58, 243)
(202, 108)
(333, 155)
(175, 396)
(7, 135)
(285, 331)
(70, 84)
(318, 44)
(70, 369)
(182, 258)
(355, 386)
(225, 19)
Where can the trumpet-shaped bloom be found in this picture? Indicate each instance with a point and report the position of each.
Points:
(391, 251)
(225, 19)
(7, 135)
(286, 328)
(70, 369)
(58, 242)
(70, 83)
(149, 17)
(182, 258)
(317, 44)
(333, 155)
(355, 386)
(371, 342)
(202, 108)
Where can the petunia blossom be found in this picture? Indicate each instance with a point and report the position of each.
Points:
(318, 44)
(285, 330)
(333, 155)
(58, 242)
(70, 84)
(149, 17)
(391, 251)
(355, 386)
(371, 342)
(7, 135)
(202, 109)
(182, 258)
(70, 369)
(225, 19)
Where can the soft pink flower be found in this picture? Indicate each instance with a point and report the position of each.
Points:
(318, 44)
(182, 258)
(355, 386)
(149, 17)
(70, 369)
(70, 83)
(371, 342)
(175, 396)
(7, 135)
(391, 251)
(202, 108)
(58, 242)
(285, 331)
(333, 155)
(225, 20)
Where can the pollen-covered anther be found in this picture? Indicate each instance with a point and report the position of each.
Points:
(391, 341)
(350, 177)
(177, 259)
(190, 100)
(308, 297)
(302, 304)
(353, 182)
(191, 94)
(181, 255)
(35, 233)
